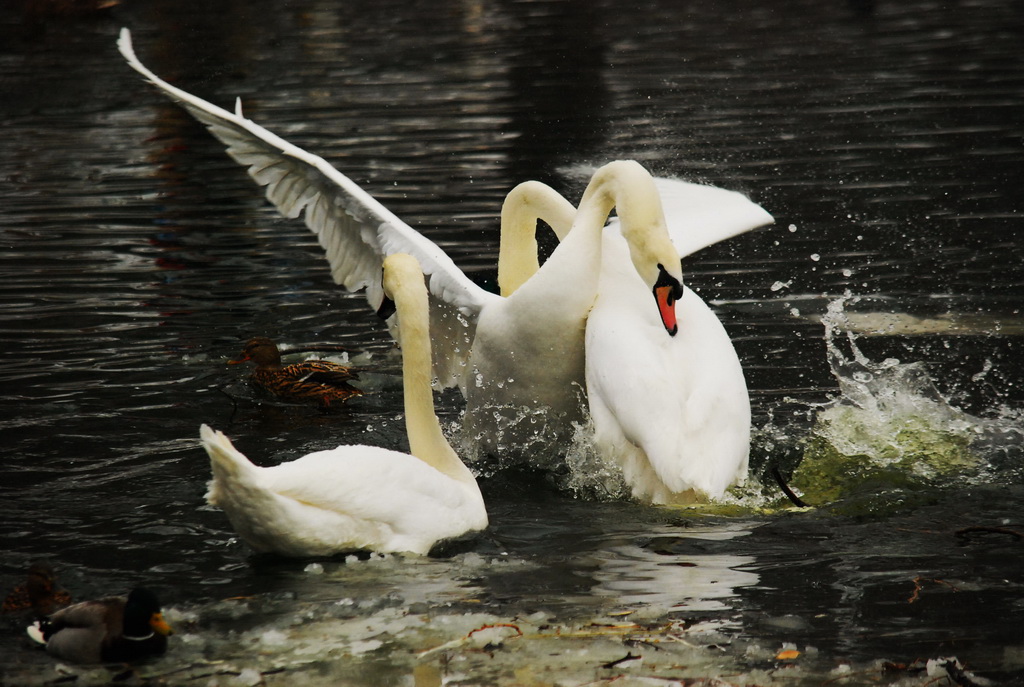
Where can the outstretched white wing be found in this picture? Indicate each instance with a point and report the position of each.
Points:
(354, 229)
(699, 215)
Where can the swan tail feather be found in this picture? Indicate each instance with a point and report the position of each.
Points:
(229, 465)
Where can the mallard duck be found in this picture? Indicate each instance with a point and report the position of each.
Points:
(40, 593)
(105, 630)
(317, 380)
(358, 497)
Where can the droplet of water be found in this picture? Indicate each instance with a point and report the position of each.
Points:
(986, 368)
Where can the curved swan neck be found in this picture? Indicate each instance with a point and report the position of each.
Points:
(524, 205)
(403, 282)
(629, 188)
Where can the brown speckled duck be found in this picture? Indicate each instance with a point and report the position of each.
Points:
(112, 629)
(41, 594)
(316, 380)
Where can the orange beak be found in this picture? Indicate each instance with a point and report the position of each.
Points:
(159, 625)
(666, 297)
(243, 359)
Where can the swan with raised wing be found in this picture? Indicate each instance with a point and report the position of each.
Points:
(359, 497)
(520, 360)
(514, 357)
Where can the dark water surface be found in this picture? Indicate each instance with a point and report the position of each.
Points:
(886, 138)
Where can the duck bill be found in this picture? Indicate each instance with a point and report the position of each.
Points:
(666, 296)
(239, 361)
(160, 625)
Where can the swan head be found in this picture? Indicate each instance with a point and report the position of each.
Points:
(631, 190)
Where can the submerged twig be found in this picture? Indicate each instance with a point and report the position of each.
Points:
(519, 633)
(236, 673)
(185, 669)
(918, 587)
(455, 643)
(628, 657)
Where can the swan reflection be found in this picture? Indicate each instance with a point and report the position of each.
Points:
(661, 581)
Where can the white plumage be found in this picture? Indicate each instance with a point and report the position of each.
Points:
(534, 354)
(506, 354)
(672, 412)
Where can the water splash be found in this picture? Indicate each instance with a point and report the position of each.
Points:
(589, 474)
(527, 440)
(889, 427)
(515, 437)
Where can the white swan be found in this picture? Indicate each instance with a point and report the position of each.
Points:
(358, 497)
(515, 357)
(672, 412)
(520, 359)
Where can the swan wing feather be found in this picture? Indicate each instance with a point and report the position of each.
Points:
(355, 230)
(699, 215)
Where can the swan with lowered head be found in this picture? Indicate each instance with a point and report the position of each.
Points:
(515, 358)
(672, 412)
(359, 497)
